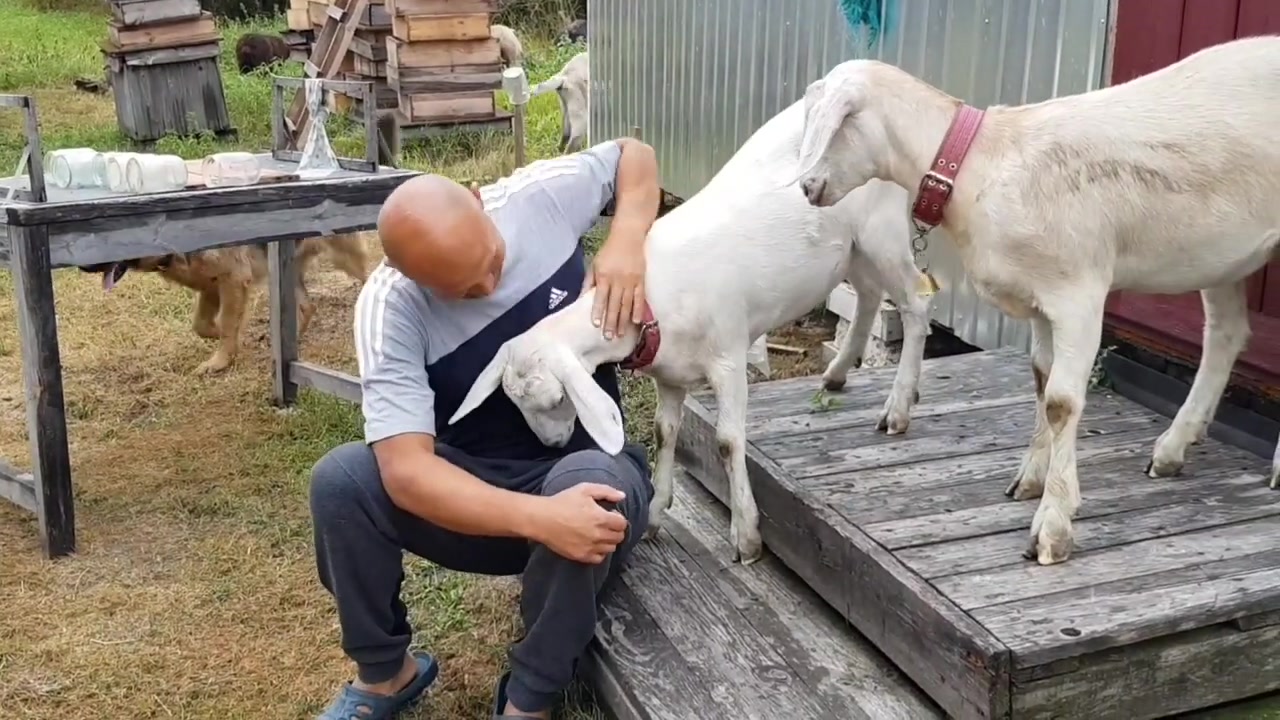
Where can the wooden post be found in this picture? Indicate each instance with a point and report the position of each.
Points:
(282, 277)
(516, 84)
(42, 378)
(517, 133)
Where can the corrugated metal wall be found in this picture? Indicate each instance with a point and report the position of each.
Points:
(699, 76)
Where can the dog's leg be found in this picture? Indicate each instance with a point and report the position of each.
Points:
(351, 257)
(205, 322)
(729, 381)
(670, 413)
(306, 307)
(233, 294)
(1226, 331)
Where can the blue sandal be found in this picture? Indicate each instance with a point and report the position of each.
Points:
(353, 703)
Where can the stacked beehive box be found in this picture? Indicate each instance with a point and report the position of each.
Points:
(442, 64)
(367, 57)
(162, 57)
(299, 33)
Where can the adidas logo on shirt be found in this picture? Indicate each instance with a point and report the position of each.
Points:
(557, 297)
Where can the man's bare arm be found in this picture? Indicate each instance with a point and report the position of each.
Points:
(425, 484)
(638, 194)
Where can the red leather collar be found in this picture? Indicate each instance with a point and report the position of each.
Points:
(937, 183)
(646, 346)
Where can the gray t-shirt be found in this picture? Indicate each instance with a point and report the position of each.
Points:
(419, 354)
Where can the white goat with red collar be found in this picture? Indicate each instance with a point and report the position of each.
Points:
(743, 256)
(1165, 184)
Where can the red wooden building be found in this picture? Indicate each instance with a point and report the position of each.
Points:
(1150, 34)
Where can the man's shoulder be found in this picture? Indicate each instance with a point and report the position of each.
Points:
(387, 290)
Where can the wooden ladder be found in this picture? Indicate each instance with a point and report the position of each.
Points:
(327, 55)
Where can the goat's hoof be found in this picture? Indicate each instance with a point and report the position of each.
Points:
(1163, 467)
(833, 384)
(747, 546)
(651, 532)
(894, 422)
(1025, 487)
(1051, 539)
(1275, 478)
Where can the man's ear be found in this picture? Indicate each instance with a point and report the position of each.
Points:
(486, 382)
(599, 414)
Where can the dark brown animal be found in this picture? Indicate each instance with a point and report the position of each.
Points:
(224, 277)
(255, 50)
(576, 30)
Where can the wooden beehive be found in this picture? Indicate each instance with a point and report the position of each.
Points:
(442, 63)
(162, 59)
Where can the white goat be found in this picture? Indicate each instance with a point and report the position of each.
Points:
(1165, 184)
(509, 47)
(573, 86)
(741, 257)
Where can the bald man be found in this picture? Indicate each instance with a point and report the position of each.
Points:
(465, 271)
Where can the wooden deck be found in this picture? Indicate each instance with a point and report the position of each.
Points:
(686, 635)
(1170, 602)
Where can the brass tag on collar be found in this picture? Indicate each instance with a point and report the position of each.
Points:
(926, 285)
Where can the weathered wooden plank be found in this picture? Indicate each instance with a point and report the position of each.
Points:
(1118, 488)
(694, 617)
(1129, 610)
(976, 370)
(969, 433)
(370, 44)
(637, 671)
(1158, 678)
(142, 12)
(1094, 533)
(442, 54)
(962, 431)
(165, 56)
(852, 677)
(282, 281)
(441, 7)
(17, 487)
(182, 98)
(326, 380)
(881, 493)
(972, 591)
(198, 31)
(434, 28)
(309, 193)
(956, 661)
(411, 81)
(448, 106)
(42, 383)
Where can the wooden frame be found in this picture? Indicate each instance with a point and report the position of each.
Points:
(280, 134)
(46, 491)
(67, 233)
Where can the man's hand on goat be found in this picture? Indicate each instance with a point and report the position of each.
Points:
(574, 525)
(617, 273)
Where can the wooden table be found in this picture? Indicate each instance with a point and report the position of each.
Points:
(84, 227)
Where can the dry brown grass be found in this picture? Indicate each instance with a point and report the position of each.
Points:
(193, 593)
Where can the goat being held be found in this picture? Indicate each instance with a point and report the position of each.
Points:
(741, 257)
(1164, 184)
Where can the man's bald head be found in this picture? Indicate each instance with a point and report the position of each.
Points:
(436, 232)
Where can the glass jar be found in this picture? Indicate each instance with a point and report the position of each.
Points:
(155, 173)
(103, 174)
(230, 168)
(70, 168)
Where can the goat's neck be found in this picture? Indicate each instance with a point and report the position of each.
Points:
(587, 341)
(915, 118)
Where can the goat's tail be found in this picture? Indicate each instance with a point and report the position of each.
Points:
(555, 82)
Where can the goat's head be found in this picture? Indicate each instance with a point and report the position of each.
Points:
(552, 388)
(838, 148)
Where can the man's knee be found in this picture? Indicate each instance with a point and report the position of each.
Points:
(620, 471)
(342, 479)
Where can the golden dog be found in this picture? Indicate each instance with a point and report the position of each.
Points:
(224, 277)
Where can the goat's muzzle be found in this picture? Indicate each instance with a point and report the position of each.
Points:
(813, 188)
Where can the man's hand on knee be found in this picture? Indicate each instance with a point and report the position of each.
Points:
(574, 524)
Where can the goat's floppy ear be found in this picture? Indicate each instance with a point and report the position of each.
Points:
(598, 412)
(822, 120)
(486, 382)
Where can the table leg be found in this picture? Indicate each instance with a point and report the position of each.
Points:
(42, 378)
(282, 277)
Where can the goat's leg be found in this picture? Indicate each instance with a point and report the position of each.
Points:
(1275, 467)
(854, 342)
(1077, 333)
(729, 381)
(666, 426)
(913, 308)
(1029, 482)
(1226, 330)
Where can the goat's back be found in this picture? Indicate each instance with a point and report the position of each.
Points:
(748, 248)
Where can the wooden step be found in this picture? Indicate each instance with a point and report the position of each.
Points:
(684, 635)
